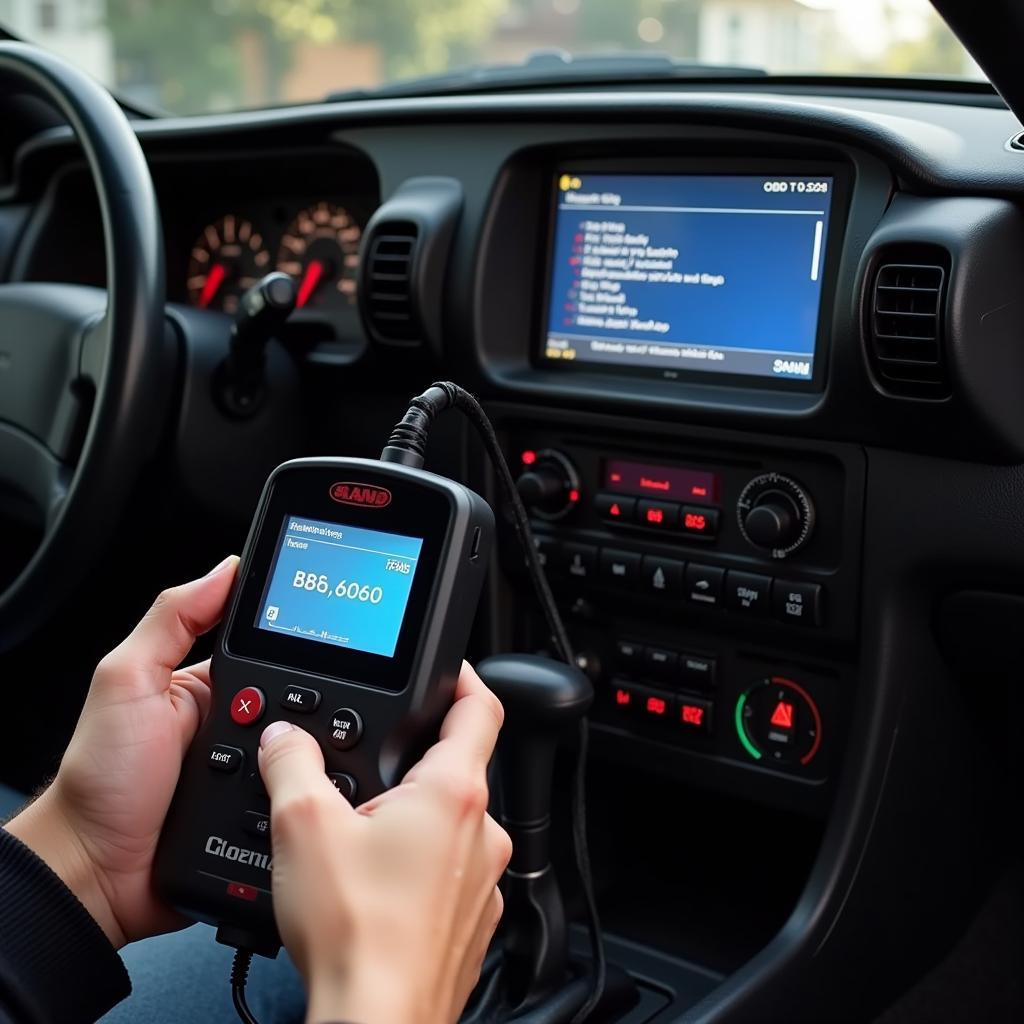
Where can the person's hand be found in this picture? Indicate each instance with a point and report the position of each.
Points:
(388, 909)
(98, 822)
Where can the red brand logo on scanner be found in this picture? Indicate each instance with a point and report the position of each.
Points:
(361, 494)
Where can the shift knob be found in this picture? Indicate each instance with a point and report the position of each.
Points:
(542, 699)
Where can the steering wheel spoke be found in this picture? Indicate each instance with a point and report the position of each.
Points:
(41, 392)
(84, 371)
(30, 474)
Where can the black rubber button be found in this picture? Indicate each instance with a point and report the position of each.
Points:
(299, 698)
(346, 729)
(344, 784)
(256, 824)
(225, 759)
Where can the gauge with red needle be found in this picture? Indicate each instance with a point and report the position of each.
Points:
(227, 259)
(320, 250)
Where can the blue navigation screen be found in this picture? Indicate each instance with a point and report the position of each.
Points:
(683, 273)
(340, 585)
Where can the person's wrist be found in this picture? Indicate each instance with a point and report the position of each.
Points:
(46, 829)
(374, 995)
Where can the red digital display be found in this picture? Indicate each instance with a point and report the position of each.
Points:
(647, 480)
(692, 714)
(656, 706)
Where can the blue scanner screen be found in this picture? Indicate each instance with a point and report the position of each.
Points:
(341, 585)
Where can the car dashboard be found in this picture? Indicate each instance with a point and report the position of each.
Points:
(776, 553)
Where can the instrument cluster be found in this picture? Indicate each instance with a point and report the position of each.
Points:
(315, 242)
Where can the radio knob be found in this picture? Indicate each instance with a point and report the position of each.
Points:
(775, 514)
(549, 484)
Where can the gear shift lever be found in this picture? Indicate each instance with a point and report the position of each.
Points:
(542, 700)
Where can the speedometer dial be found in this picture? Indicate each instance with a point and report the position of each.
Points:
(320, 250)
(228, 258)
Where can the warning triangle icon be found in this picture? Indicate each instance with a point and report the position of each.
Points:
(782, 716)
(615, 510)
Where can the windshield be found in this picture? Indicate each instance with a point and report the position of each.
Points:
(191, 56)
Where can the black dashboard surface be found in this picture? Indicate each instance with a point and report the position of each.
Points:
(896, 473)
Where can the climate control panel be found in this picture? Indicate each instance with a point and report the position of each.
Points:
(706, 590)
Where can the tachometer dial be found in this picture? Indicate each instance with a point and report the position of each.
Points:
(320, 250)
(228, 258)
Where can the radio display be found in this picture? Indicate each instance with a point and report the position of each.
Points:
(688, 274)
(341, 585)
(646, 480)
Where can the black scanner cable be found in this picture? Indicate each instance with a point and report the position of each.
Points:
(407, 446)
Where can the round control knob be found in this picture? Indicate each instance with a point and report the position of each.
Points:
(549, 484)
(775, 514)
(778, 722)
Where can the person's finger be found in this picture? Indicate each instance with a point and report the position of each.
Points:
(468, 734)
(191, 698)
(292, 766)
(200, 670)
(170, 628)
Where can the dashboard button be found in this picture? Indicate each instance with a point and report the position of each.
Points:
(704, 585)
(655, 706)
(699, 521)
(748, 592)
(697, 671)
(661, 663)
(579, 561)
(545, 548)
(629, 654)
(625, 698)
(662, 575)
(658, 515)
(622, 567)
(695, 715)
(797, 602)
(615, 508)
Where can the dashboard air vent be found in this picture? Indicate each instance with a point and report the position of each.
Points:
(387, 285)
(906, 327)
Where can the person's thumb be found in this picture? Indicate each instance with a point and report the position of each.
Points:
(292, 765)
(159, 643)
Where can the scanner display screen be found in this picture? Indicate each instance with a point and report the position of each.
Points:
(341, 585)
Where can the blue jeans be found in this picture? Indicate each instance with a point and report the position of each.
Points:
(184, 978)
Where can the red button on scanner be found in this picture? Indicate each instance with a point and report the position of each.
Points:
(247, 706)
(249, 893)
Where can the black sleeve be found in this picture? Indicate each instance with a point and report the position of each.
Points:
(55, 962)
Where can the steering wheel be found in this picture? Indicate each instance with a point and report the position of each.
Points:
(82, 371)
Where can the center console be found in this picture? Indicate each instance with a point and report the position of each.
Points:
(710, 578)
(710, 594)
